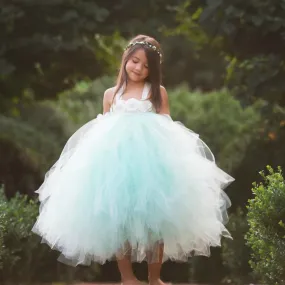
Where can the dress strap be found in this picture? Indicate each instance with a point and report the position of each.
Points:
(146, 90)
(120, 92)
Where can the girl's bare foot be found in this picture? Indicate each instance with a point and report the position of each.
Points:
(133, 281)
(156, 282)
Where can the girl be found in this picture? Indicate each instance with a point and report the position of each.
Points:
(132, 183)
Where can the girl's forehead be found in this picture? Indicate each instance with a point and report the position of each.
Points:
(140, 53)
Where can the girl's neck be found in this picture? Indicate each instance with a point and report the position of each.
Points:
(134, 85)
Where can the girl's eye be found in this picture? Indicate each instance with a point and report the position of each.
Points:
(135, 61)
(146, 66)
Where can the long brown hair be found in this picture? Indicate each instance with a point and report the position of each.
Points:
(154, 68)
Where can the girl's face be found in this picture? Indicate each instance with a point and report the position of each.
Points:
(137, 66)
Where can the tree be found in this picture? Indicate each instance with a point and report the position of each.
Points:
(46, 45)
(30, 144)
(251, 36)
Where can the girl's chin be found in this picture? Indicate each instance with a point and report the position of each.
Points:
(136, 78)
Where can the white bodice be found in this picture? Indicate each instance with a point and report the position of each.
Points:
(133, 104)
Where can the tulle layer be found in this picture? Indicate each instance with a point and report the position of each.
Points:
(127, 182)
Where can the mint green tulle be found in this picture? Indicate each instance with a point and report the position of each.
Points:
(126, 182)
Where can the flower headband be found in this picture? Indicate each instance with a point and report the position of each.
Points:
(153, 47)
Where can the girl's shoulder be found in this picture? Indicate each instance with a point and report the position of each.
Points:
(110, 90)
(109, 93)
(164, 101)
(163, 92)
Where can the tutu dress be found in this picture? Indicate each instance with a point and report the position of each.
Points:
(129, 180)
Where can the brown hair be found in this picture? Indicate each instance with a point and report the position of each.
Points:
(154, 68)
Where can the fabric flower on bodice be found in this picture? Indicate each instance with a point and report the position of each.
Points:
(133, 105)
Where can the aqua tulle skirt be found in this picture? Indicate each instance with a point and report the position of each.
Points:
(126, 183)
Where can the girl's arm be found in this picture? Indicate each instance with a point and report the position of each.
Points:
(164, 104)
(107, 100)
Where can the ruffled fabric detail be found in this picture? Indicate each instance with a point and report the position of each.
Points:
(127, 182)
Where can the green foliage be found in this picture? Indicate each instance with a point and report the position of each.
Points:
(250, 37)
(47, 46)
(235, 252)
(140, 17)
(39, 130)
(221, 121)
(188, 25)
(191, 55)
(84, 102)
(3, 226)
(253, 38)
(19, 242)
(110, 51)
(266, 235)
(35, 144)
(32, 141)
(47, 118)
(24, 259)
(261, 76)
(29, 144)
(237, 20)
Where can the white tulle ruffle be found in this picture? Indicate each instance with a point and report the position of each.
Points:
(128, 182)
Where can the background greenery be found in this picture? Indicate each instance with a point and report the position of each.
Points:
(266, 236)
(224, 71)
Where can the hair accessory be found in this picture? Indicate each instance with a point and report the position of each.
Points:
(153, 47)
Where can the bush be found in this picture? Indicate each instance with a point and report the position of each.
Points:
(24, 259)
(266, 235)
(18, 241)
(219, 118)
(84, 102)
(29, 144)
(2, 230)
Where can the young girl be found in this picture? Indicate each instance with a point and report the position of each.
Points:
(132, 183)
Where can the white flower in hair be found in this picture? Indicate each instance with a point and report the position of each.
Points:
(153, 47)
